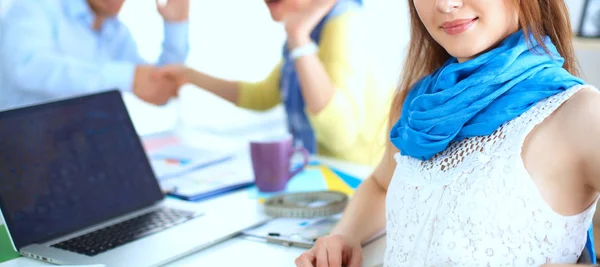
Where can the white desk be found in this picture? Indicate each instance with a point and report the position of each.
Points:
(241, 251)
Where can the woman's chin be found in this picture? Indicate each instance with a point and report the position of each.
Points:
(276, 17)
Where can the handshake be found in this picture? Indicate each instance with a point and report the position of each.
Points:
(157, 85)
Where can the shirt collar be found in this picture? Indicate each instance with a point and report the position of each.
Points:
(80, 10)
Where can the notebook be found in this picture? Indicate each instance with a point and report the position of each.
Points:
(176, 159)
(212, 180)
(194, 174)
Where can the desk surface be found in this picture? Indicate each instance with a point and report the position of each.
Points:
(241, 251)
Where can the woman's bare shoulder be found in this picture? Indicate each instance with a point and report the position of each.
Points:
(580, 113)
(578, 124)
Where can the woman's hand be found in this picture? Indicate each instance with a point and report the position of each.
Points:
(302, 20)
(332, 251)
(177, 73)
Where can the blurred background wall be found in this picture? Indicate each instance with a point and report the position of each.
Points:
(236, 39)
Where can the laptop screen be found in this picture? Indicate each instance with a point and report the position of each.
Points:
(70, 164)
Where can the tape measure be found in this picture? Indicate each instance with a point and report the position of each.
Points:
(306, 205)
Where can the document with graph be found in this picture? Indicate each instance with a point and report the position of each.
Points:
(178, 159)
(232, 174)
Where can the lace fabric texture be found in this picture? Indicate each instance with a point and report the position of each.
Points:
(475, 204)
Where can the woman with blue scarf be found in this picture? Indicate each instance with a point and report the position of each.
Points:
(334, 104)
(493, 156)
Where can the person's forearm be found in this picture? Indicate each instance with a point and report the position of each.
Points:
(365, 214)
(317, 88)
(228, 90)
(176, 43)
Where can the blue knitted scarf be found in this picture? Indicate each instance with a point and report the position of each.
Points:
(474, 98)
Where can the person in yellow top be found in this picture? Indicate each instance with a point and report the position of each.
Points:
(334, 103)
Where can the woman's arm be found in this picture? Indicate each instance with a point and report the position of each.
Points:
(258, 96)
(317, 87)
(367, 202)
(581, 124)
(365, 214)
(333, 82)
(584, 130)
(228, 90)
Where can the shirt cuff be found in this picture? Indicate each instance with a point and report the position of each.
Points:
(118, 75)
(176, 37)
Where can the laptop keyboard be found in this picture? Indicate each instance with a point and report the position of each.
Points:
(125, 232)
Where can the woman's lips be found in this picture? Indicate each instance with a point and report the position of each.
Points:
(458, 26)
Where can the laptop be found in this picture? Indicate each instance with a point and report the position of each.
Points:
(76, 187)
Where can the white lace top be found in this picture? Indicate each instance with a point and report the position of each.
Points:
(476, 205)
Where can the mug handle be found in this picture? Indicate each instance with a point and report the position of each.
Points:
(304, 164)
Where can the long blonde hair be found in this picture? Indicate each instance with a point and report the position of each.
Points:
(540, 17)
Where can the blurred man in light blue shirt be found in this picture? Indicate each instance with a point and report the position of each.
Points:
(52, 49)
